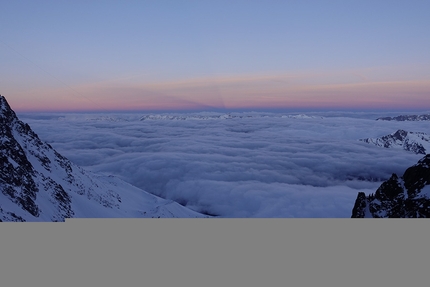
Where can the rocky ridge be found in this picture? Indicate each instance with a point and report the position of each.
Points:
(39, 184)
(407, 196)
(403, 118)
(417, 142)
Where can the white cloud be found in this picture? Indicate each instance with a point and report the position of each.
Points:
(242, 167)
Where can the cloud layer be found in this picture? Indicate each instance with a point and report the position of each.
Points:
(255, 165)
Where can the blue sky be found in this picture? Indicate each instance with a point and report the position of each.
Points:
(73, 55)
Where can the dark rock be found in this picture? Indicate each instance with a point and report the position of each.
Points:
(360, 206)
(19, 179)
(404, 197)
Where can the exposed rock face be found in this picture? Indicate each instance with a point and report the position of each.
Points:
(406, 118)
(404, 197)
(39, 184)
(416, 142)
(18, 178)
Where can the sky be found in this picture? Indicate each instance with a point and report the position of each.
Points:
(209, 55)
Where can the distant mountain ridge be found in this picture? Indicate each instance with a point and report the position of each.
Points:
(407, 196)
(416, 142)
(217, 117)
(39, 184)
(124, 117)
(403, 118)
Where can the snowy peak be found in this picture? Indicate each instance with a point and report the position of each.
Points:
(17, 175)
(416, 142)
(399, 197)
(7, 115)
(39, 184)
(403, 118)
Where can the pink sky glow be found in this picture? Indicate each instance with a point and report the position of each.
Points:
(314, 91)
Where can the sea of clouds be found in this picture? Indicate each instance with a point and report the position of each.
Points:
(249, 164)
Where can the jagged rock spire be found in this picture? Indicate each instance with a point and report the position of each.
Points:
(7, 115)
(398, 197)
(16, 172)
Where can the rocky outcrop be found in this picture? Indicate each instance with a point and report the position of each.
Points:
(407, 196)
(19, 180)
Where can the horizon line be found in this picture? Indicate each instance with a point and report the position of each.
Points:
(232, 110)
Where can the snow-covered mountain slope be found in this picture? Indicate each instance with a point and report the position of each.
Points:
(416, 142)
(407, 196)
(39, 184)
(403, 118)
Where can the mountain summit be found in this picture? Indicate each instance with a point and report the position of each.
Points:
(407, 196)
(39, 184)
(416, 142)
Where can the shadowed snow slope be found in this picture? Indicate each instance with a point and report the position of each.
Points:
(39, 184)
